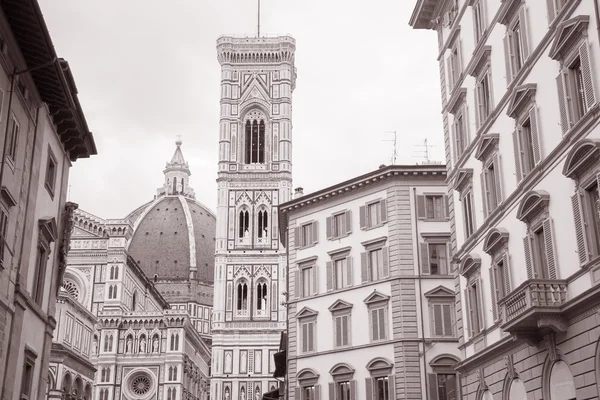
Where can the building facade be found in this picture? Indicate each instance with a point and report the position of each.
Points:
(146, 282)
(255, 175)
(520, 113)
(371, 312)
(43, 132)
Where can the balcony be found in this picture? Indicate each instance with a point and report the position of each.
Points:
(533, 309)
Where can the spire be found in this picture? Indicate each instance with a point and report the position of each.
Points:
(177, 175)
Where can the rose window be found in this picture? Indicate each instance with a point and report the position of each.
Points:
(71, 288)
(140, 385)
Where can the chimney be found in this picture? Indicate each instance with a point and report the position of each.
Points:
(298, 192)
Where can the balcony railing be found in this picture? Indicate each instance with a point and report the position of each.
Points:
(529, 306)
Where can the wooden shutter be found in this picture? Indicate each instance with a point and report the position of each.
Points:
(524, 32)
(297, 237)
(315, 232)
(477, 107)
(385, 253)
(349, 270)
(421, 207)
(297, 394)
(353, 389)
(392, 387)
(586, 72)
(315, 279)
(446, 207)
(348, 222)
(551, 11)
(528, 256)
(506, 272)
(329, 270)
(311, 336)
(383, 209)
(329, 227)
(484, 192)
(448, 320)
(550, 249)
(424, 249)
(466, 130)
(480, 309)
(364, 267)
(535, 135)
(438, 323)
(468, 312)
(433, 387)
(331, 391)
(369, 388)
(517, 147)
(317, 393)
(580, 228)
(563, 102)
(508, 57)
(450, 73)
(363, 217)
(456, 143)
(337, 331)
(494, 291)
(498, 179)
(297, 284)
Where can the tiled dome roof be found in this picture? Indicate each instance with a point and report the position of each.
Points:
(174, 235)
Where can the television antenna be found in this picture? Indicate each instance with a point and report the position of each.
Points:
(395, 141)
(425, 149)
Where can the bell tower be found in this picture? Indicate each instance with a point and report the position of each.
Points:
(258, 77)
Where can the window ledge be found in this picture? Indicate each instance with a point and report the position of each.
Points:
(368, 228)
(306, 247)
(11, 163)
(372, 243)
(445, 219)
(339, 237)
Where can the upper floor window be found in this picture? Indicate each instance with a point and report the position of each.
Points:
(262, 299)
(50, 181)
(306, 278)
(342, 327)
(343, 386)
(47, 234)
(375, 260)
(263, 224)
(441, 312)
(496, 245)
(516, 40)
(435, 256)
(339, 225)
(27, 374)
(381, 384)
(454, 61)
(463, 183)
(582, 166)
(491, 183)
(307, 325)
(470, 268)
(479, 19)
(339, 269)
(3, 232)
(443, 382)
(13, 138)
(538, 244)
(554, 8)
(174, 342)
(575, 81)
(480, 69)
(457, 106)
(308, 388)
(373, 214)
(307, 234)
(114, 272)
(241, 297)
(432, 206)
(255, 141)
(243, 224)
(378, 304)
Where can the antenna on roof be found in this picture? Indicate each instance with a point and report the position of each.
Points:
(425, 152)
(258, 26)
(395, 140)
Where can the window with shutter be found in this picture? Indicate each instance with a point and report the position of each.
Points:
(342, 330)
(442, 319)
(438, 258)
(378, 324)
(469, 221)
(435, 207)
(479, 20)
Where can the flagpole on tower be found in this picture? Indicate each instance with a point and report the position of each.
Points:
(258, 27)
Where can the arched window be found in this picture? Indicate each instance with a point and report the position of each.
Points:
(106, 339)
(244, 223)
(242, 296)
(174, 185)
(116, 272)
(172, 342)
(263, 220)
(169, 394)
(255, 142)
(110, 343)
(110, 291)
(261, 296)
(133, 300)
(174, 373)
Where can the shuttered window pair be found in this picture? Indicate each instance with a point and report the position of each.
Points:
(375, 264)
(491, 185)
(499, 275)
(373, 214)
(306, 283)
(312, 392)
(342, 390)
(479, 19)
(341, 330)
(454, 63)
(307, 234)
(307, 336)
(483, 97)
(516, 44)
(586, 213)
(339, 273)
(378, 324)
(432, 206)
(540, 259)
(468, 217)
(442, 319)
(381, 388)
(339, 225)
(435, 258)
(460, 133)
(526, 142)
(474, 301)
(575, 87)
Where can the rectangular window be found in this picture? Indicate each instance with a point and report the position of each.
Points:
(435, 207)
(307, 281)
(375, 264)
(593, 210)
(438, 258)
(27, 376)
(460, 134)
(3, 232)
(447, 387)
(382, 388)
(538, 249)
(467, 206)
(501, 278)
(307, 234)
(13, 138)
(39, 277)
(491, 185)
(50, 173)
(554, 8)
(442, 320)
(307, 338)
(340, 274)
(373, 214)
(308, 393)
(479, 24)
(339, 225)
(475, 307)
(343, 390)
(516, 45)
(484, 97)
(342, 330)
(526, 134)
(378, 324)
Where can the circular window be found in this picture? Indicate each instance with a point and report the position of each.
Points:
(140, 384)
(71, 288)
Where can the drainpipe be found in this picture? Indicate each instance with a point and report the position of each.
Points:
(287, 308)
(421, 298)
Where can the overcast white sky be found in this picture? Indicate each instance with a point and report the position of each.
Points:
(147, 70)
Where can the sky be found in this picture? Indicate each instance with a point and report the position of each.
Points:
(147, 72)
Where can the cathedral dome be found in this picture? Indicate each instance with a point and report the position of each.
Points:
(174, 235)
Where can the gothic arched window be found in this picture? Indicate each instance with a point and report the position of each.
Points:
(255, 142)
(261, 296)
(244, 223)
(242, 296)
(263, 220)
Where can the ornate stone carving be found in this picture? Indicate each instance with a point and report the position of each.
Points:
(550, 341)
(67, 221)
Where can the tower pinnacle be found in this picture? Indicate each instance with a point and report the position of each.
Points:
(177, 175)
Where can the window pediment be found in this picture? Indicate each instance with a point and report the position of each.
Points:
(487, 145)
(440, 292)
(533, 204)
(470, 265)
(306, 313)
(581, 158)
(379, 366)
(480, 60)
(567, 33)
(508, 10)
(48, 229)
(457, 100)
(496, 239)
(340, 305)
(307, 376)
(376, 297)
(341, 370)
(8, 198)
(444, 361)
(374, 243)
(520, 100)
(463, 179)
(340, 253)
(306, 262)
